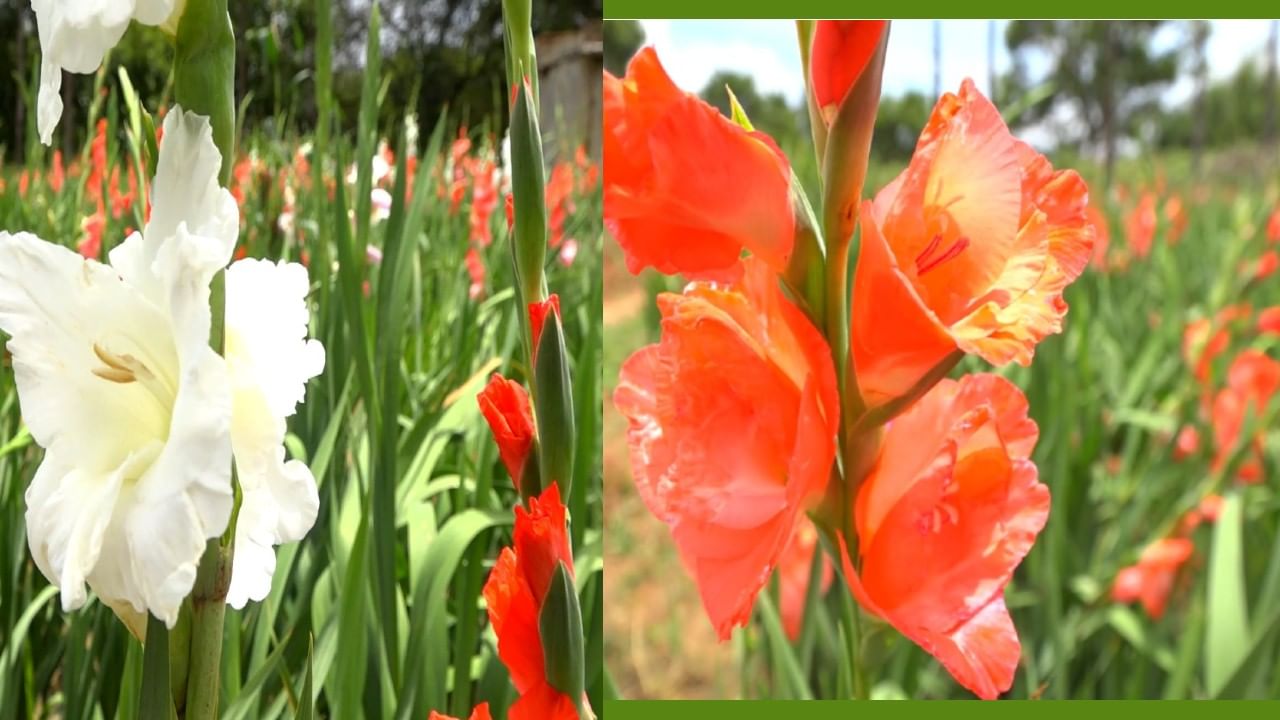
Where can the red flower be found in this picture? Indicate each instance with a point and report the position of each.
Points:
(1211, 507)
(1252, 381)
(1201, 344)
(505, 406)
(538, 313)
(515, 603)
(1140, 227)
(1269, 321)
(1266, 264)
(1151, 579)
(1102, 237)
(1176, 214)
(559, 201)
(969, 249)
(1273, 226)
(475, 267)
(484, 199)
(481, 712)
(950, 509)
(57, 175)
(840, 52)
(90, 246)
(732, 424)
(686, 189)
(1187, 444)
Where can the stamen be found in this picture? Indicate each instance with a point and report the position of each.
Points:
(116, 370)
(930, 259)
(115, 375)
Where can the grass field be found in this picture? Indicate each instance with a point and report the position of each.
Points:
(378, 611)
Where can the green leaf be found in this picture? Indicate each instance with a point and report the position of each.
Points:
(736, 113)
(784, 660)
(307, 701)
(428, 647)
(1227, 636)
(553, 406)
(560, 629)
(157, 698)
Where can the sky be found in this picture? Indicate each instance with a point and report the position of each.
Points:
(693, 50)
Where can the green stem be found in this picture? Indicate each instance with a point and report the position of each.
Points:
(208, 607)
(204, 83)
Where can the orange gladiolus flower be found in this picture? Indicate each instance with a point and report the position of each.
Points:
(1273, 226)
(969, 249)
(1101, 235)
(475, 268)
(538, 313)
(1269, 321)
(1266, 264)
(484, 200)
(840, 52)
(90, 246)
(481, 712)
(1176, 215)
(1252, 381)
(733, 418)
(1202, 344)
(1211, 507)
(57, 174)
(1151, 579)
(514, 594)
(1140, 227)
(686, 189)
(505, 406)
(950, 509)
(795, 570)
(1187, 443)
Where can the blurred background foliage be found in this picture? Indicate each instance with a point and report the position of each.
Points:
(434, 53)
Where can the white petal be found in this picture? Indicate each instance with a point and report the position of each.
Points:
(49, 101)
(57, 307)
(76, 34)
(186, 198)
(137, 472)
(271, 360)
(267, 321)
(157, 12)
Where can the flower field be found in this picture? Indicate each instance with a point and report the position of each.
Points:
(399, 231)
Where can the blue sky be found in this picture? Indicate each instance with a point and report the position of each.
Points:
(766, 49)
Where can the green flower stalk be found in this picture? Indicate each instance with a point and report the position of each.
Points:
(204, 83)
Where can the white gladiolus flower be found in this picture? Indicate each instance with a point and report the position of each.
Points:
(271, 360)
(139, 417)
(76, 34)
(118, 384)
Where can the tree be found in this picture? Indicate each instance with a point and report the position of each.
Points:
(1105, 75)
(622, 38)
(1199, 42)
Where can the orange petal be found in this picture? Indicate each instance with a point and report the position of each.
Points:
(840, 52)
(686, 189)
(895, 339)
(732, 422)
(514, 617)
